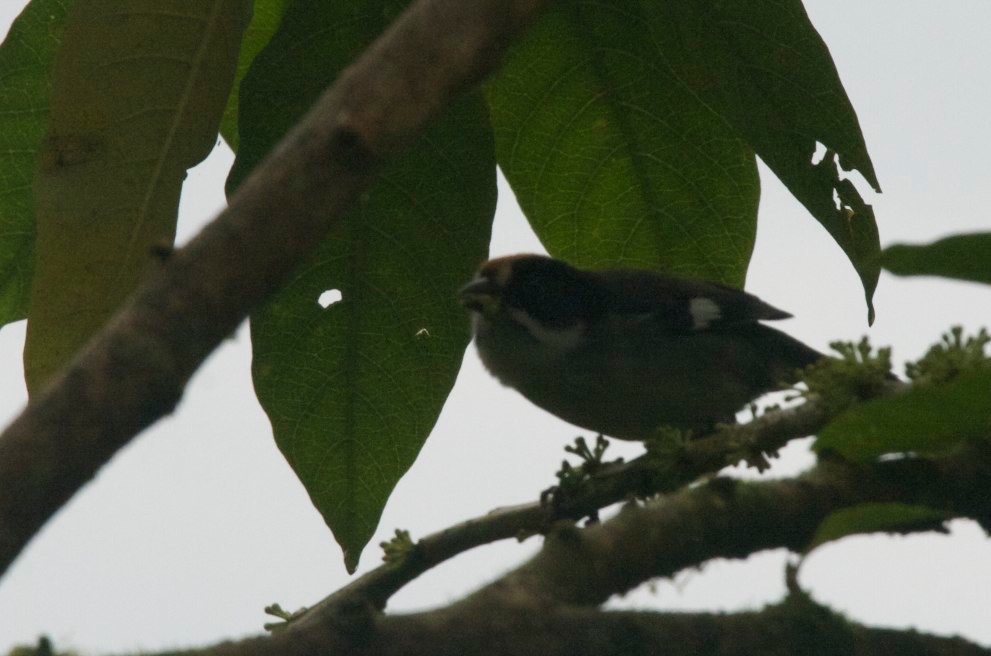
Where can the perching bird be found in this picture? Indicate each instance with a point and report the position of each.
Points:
(624, 351)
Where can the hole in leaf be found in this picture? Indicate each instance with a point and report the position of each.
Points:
(819, 153)
(329, 297)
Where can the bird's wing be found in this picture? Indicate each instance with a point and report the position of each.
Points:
(684, 304)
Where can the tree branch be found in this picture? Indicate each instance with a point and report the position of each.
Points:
(796, 626)
(537, 607)
(613, 483)
(133, 372)
(733, 519)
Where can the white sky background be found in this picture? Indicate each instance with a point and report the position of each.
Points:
(199, 523)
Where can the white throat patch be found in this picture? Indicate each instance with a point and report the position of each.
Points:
(563, 339)
(704, 311)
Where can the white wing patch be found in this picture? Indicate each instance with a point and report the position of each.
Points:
(563, 339)
(704, 311)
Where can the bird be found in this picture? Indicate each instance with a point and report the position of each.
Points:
(625, 352)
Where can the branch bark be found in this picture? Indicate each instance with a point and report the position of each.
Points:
(733, 519)
(544, 606)
(612, 483)
(794, 627)
(134, 371)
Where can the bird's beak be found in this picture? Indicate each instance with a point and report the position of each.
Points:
(480, 295)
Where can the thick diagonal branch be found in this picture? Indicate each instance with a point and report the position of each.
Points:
(134, 371)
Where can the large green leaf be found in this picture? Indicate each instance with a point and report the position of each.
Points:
(353, 389)
(265, 19)
(27, 58)
(966, 257)
(762, 65)
(925, 421)
(139, 90)
(626, 129)
(613, 158)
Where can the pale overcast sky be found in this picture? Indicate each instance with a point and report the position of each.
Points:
(198, 524)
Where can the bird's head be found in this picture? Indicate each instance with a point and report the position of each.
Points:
(533, 289)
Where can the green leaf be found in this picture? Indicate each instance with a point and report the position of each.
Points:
(925, 421)
(612, 157)
(626, 130)
(138, 95)
(762, 65)
(966, 257)
(353, 390)
(27, 58)
(876, 518)
(265, 19)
